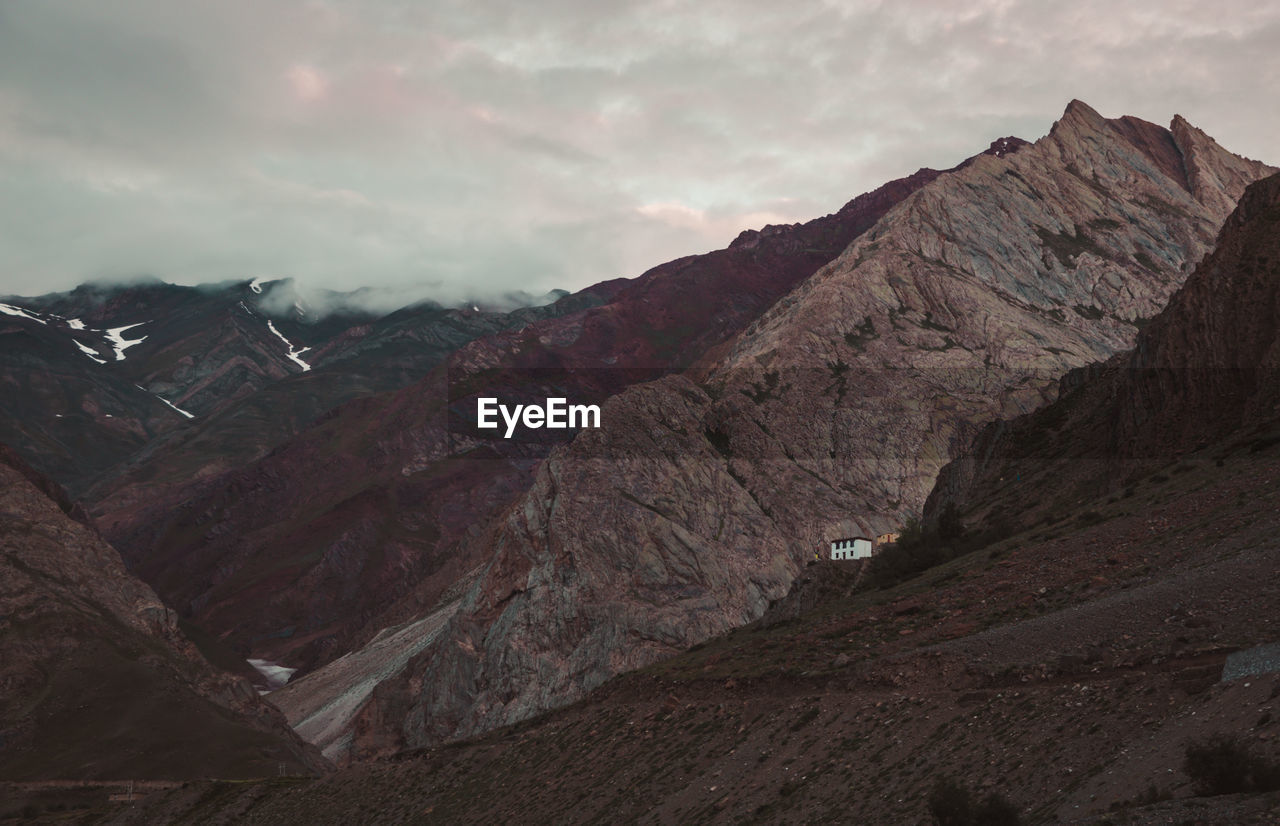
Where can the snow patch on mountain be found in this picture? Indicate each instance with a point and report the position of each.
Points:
(276, 675)
(293, 352)
(9, 309)
(89, 351)
(166, 401)
(119, 343)
(175, 407)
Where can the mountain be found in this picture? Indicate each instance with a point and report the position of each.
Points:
(1066, 671)
(149, 384)
(1205, 372)
(304, 553)
(360, 360)
(697, 502)
(807, 382)
(151, 357)
(99, 683)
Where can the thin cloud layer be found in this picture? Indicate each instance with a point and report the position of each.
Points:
(443, 150)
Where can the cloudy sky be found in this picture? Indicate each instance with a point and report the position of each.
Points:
(456, 147)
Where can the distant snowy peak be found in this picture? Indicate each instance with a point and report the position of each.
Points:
(294, 352)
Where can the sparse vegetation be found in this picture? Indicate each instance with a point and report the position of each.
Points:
(763, 391)
(1145, 260)
(1224, 764)
(719, 440)
(920, 548)
(952, 804)
(858, 338)
(1066, 246)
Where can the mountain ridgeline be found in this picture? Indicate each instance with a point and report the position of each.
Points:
(299, 488)
(831, 413)
(390, 490)
(1113, 663)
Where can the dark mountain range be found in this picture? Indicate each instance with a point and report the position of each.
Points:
(196, 380)
(98, 681)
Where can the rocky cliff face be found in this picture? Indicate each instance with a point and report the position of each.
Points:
(830, 414)
(96, 680)
(1206, 371)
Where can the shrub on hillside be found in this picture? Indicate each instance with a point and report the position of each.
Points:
(919, 548)
(1222, 764)
(952, 804)
(950, 523)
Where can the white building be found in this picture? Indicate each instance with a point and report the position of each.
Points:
(853, 547)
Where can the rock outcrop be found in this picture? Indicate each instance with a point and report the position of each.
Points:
(697, 502)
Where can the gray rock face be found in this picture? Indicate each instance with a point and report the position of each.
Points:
(694, 506)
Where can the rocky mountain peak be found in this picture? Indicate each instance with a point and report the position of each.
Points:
(837, 406)
(1216, 177)
(1004, 146)
(1078, 115)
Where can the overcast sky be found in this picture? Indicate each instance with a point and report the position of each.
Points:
(453, 147)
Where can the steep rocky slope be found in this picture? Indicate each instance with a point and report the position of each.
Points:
(1066, 672)
(98, 682)
(1206, 368)
(298, 556)
(694, 506)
